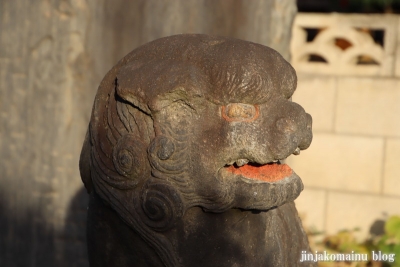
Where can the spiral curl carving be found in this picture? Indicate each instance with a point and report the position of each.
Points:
(163, 147)
(129, 156)
(167, 155)
(161, 205)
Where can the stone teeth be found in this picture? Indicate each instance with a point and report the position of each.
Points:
(296, 151)
(241, 162)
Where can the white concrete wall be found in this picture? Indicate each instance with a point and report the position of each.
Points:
(351, 171)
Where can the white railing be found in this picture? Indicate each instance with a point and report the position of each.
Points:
(342, 44)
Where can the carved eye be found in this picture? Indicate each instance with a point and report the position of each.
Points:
(240, 112)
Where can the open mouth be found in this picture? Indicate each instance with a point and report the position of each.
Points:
(271, 172)
(252, 185)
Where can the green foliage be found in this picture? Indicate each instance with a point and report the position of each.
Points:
(343, 241)
(346, 242)
(390, 241)
(392, 228)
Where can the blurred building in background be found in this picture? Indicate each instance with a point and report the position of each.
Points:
(349, 80)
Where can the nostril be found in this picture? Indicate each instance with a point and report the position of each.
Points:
(305, 141)
(296, 151)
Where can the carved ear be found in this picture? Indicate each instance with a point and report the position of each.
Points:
(128, 86)
(131, 97)
(84, 163)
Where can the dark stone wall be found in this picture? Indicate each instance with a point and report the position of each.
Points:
(53, 55)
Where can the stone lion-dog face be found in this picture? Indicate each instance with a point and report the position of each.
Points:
(193, 120)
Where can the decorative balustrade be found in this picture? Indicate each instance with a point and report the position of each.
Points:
(342, 44)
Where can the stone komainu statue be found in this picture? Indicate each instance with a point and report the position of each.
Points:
(182, 157)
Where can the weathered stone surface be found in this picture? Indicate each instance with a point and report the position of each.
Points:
(180, 154)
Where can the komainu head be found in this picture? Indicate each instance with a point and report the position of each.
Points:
(194, 120)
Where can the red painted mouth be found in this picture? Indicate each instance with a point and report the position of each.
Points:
(268, 173)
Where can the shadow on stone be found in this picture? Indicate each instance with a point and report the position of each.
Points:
(26, 239)
(74, 234)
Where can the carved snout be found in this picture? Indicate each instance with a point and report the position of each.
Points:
(292, 132)
(307, 133)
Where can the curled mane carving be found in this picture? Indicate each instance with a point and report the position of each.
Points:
(168, 121)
